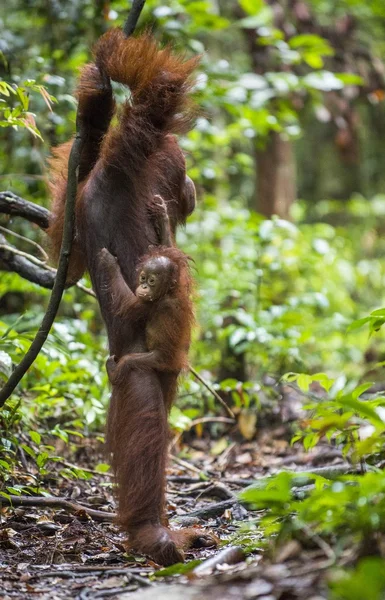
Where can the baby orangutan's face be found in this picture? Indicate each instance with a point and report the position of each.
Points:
(155, 279)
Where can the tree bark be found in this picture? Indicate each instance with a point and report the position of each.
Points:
(276, 177)
(13, 205)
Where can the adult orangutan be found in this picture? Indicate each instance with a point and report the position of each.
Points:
(122, 168)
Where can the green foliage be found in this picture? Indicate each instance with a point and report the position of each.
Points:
(178, 569)
(62, 397)
(273, 295)
(16, 114)
(350, 509)
(342, 416)
(263, 290)
(376, 319)
(367, 580)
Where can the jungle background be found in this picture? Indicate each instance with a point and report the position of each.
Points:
(287, 155)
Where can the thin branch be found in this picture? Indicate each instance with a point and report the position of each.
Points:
(229, 556)
(325, 547)
(27, 240)
(213, 392)
(30, 257)
(85, 289)
(11, 262)
(23, 267)
(210, 420)
(209, 512)
(39, 572)
(132, 574)
(186, 465)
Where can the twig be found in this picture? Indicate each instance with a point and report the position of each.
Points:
(210, 511)
(27, 240)
(186, 465)
(206, 488)
(133, 574)
(312, 568)
(327, 550)
(229, 556)
(22, 266)
(89, 569)
(183, 479)
(25, 268)
(217, 490)
(30, 257)
(213, 392)
(72, 466)
(53, 502)
(210, 420)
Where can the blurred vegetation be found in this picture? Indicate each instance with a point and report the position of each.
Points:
(291, 99)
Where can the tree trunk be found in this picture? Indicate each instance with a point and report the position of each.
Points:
(276, 177)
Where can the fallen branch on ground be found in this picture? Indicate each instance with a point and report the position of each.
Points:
(209, 512)
(53, 502)
(133, 574)
(229, 556)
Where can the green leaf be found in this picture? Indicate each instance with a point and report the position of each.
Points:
(252, 7)
(178, 420)
(28, 450)
(42, 459)
(361, 389)
(304, 382)
(102, 468)
(35, 437)
(360, 407)
(178, 569)
(5, 364)
(359, 323)
(324, 380)
(378, 313)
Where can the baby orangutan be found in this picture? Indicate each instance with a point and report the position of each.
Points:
(161, 305)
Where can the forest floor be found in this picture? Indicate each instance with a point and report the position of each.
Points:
(53, 553)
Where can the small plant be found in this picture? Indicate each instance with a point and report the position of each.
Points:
(343, 417)
(14, 110)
